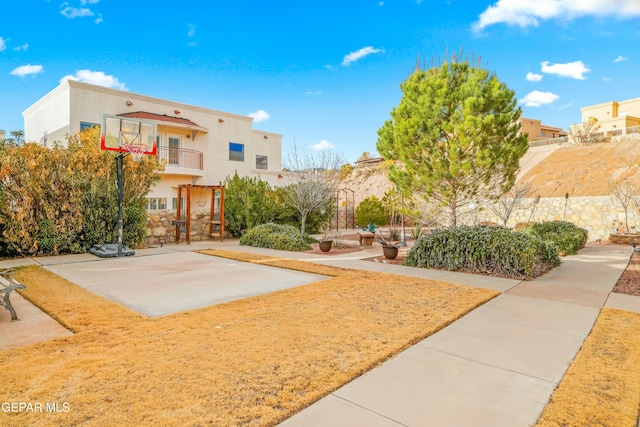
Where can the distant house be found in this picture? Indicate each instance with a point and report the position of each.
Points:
(369, 162)
(615, 118)
(537, 131)
(200, 145)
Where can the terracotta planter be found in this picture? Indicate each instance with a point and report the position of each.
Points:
(390, 252)
(325, 245)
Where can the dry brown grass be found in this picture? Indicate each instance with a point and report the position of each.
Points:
(254, 361)
(602, 385)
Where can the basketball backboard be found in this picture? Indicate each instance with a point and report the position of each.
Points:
(126, 134)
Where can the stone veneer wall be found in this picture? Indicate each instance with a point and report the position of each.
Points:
(600, 216)
(162, 231)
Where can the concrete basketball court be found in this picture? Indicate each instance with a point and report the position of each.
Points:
(165, 283)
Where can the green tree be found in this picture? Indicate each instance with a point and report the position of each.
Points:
(371, 211)
(454, 136)
(249, 202)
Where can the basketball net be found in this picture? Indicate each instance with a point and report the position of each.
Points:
(136, 151)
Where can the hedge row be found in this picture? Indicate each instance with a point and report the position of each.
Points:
(485, 250)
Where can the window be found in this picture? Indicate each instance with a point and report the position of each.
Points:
(261, 162)
(87, 125)
(236, 152)
(156, 203)
(183, 203)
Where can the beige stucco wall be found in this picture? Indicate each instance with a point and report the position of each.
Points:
(613, 116)
(61, 111)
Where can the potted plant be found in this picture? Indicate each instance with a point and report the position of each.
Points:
(389, 250)
(325, 243)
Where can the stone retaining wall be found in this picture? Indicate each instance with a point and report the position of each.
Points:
(600, 216)
(161, 230)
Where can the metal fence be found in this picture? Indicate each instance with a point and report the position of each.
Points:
(181, 158)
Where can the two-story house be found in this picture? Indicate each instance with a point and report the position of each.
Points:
(201, 146)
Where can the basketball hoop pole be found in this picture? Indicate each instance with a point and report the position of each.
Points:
(119, 158)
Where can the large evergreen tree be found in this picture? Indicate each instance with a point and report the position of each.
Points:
(455, 136)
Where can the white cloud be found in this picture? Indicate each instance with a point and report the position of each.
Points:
(3, 44)
(574, 70)
(621, 58)
(191, 30)
(358, 54)
(537, 98)
(526, 13)
(27, 70)
(85, 2)
(24, 47)
(97, 78)
(322, 145)
(313, 92)
(260, 116)
(75, 12)
(606, 79)
(99, 19)
(533, 77)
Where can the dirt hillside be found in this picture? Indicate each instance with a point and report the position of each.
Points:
(553, 171)
(584, 171)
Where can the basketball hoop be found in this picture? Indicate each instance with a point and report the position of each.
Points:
(136, 151)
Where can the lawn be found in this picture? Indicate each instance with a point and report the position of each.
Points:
(254, 362)
(602, 385)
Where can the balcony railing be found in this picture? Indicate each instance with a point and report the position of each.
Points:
(181, 158)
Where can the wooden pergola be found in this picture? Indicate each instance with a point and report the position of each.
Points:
(213, 233)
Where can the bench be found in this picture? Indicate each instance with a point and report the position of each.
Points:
(366, 239)
(7, 285)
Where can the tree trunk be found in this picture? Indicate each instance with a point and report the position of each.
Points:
(303, 223)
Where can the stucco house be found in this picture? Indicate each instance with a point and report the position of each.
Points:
(536, 130)
(615, 118)
(201, 146)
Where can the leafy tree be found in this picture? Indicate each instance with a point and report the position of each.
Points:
(371, 211)
(455, 136)
(314, 180)
(17, 138)
(249, 202)
(586, 133)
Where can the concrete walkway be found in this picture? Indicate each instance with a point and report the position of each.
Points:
(497, 366)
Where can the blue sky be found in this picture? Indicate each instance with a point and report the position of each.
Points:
(327, 73)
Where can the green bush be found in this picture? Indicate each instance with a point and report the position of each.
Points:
(567, 237)
(371, 211)
(485, 250)
(249, 202)
(275, 236)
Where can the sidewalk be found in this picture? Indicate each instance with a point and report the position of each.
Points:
(497, 366)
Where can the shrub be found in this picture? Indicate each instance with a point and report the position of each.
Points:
(62, 200)
(485, 250)
(567, 237)
(371, 211)
(275, 236)
(248, 202)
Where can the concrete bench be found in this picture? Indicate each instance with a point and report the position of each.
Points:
(7, 285)
(366, 239)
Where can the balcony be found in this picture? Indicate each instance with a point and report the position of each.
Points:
(181, 161)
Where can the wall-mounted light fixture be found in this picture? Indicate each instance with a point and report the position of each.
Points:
(176, 111)
(221, 120)
(266, 137)
(129, 103)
